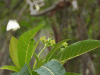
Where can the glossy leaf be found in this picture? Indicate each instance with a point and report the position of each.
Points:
(24, 48)
(13, 51)
(53, 67)
(77, 49)
(24, 71)
(54, 50)
(13, 68)
(31, 48)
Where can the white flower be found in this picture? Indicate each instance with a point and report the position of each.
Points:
(12, 24)
(75, 5)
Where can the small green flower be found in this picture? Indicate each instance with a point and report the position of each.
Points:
(45, 41)
(52, 42)
(64, 45)
(49, 39)
(48, 42)
(42, 38)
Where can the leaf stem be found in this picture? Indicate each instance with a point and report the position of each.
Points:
(38, 56)
(42, 50)
(63, 62)
(34, 64)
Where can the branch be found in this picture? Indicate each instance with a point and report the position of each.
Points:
(46, 11)
(55, 7)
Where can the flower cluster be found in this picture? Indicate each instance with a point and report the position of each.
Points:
(48, 42)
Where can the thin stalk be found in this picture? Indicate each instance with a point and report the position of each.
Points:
(42, 50)
(38, 56)
(35, 64)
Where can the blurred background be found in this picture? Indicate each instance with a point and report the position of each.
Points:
(63, 19)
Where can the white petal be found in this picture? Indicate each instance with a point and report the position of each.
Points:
(12, 24)
(74, 3)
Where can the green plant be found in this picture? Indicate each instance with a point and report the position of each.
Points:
(23, 49)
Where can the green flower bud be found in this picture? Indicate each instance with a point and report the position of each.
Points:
(64, 45)
(42, 38)
(52, 42)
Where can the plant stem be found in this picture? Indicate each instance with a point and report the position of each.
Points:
(35, 64)
(42, 50)
(38, 56)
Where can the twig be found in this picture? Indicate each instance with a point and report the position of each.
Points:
(48, 10)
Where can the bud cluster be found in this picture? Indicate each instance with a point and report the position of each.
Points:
(48, 42)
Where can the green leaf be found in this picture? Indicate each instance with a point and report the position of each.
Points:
(68, 73)
(54, 50)
(77, 49)
(32, 47)
(53, 67)
(13, 51)
(34, 73)
(24, 71)
(30, 54)
(13, 68)
(35, 55)
(24, 48)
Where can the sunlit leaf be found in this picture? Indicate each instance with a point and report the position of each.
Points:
(24, 43)
(13, 51)
(13, 68)
(77, 49)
